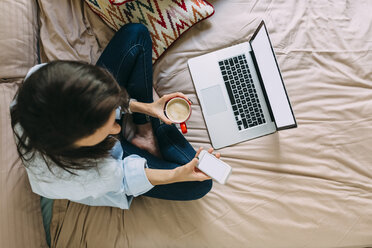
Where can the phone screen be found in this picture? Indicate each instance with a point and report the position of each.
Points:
(214, 168)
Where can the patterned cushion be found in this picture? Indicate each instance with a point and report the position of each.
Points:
(165, 19)
(120, 1)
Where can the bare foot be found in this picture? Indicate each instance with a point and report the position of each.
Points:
(145, 139)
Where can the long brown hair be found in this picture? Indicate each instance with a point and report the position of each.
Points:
(60, 103)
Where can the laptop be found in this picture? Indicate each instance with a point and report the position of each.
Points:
(241, 91)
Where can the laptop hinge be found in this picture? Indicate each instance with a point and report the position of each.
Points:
(263, 87)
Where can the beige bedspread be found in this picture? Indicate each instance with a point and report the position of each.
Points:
(305, 187)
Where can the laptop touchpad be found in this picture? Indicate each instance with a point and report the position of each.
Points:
(213, 100)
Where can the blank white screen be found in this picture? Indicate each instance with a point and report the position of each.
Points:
(271, 79)
(214, 169)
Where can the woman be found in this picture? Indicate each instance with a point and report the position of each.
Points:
(65, 119)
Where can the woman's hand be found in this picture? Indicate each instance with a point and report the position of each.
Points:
(157, 107)
(184, 173)
(190, 171)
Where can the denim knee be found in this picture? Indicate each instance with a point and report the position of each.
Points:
(136, 31)
(204, 189)
(138, 28)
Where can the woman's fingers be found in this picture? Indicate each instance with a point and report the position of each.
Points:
(165, 119)
(180, 94)
(210, 150)
(176, 94)
(198, 152)
(157, 109)
(218, 155)
(202, 176)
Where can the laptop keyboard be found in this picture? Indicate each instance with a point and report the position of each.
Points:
(242, 92)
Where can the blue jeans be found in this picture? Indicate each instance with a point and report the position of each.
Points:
(128, 58)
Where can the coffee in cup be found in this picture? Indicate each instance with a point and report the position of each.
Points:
(178, 110)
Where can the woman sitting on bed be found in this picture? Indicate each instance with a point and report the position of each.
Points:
(65, 119)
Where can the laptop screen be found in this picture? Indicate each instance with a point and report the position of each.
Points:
(272, 80)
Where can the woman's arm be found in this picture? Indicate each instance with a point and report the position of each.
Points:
(154, 109)
(140, 107)
(187, 172)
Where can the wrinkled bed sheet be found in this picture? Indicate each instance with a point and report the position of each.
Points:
(304, 187)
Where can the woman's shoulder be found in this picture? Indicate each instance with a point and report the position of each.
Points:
(43, 167)
(40, 164)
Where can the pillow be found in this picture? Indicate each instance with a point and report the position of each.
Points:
(165, 20)
(20, 215)
(18, 37)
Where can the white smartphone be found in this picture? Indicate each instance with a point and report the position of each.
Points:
(214, 167)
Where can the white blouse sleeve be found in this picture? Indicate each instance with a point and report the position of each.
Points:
(135, 179)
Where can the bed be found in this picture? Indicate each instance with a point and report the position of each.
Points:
(305, 187)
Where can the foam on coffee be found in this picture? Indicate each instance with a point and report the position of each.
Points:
(177, 110)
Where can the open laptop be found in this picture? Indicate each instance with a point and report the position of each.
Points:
(241, 91)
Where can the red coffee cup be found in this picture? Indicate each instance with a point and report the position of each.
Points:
(178, 110)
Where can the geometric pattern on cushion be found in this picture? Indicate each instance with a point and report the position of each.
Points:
(166, 20)
(119, 1)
